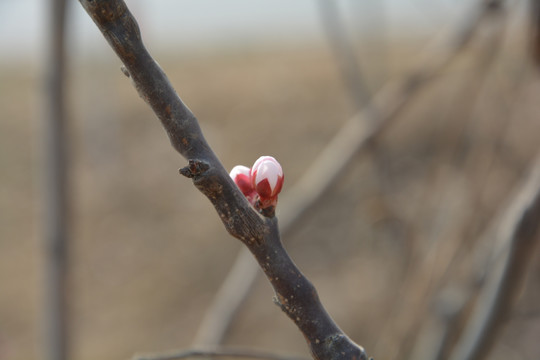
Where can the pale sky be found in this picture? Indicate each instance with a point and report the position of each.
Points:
(208, 23)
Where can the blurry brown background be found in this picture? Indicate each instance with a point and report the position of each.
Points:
(147, 251)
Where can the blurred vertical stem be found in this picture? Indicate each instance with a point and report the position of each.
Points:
(370, 21)
(55, 220)
(345, 55)
(535, 30)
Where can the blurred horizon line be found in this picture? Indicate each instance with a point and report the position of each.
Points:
(238, 24)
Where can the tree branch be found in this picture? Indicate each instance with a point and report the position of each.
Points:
(294, 293)
(354, 136)
(344, 53)
(55, 190)
(534, 6)
(218, 352)
(516, 234)
(122, 32)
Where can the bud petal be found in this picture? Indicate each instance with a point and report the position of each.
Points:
(242, 178)
(267, 177)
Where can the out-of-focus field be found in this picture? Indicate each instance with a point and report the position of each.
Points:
(148, 252)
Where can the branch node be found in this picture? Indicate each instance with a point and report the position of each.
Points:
(276, 301)
(338, 346)
(268, 212)
(195, 169)
(125, 71)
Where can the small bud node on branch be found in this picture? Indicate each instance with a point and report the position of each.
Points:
(125, 71)
(195, 169)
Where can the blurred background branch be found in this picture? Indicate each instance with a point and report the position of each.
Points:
(354, 135)
(218, 353)
(55, 189)
(517, 234)
(345, 53)
(404, 210)
(535, 29)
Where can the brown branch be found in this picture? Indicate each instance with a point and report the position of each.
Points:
(216, 353)
(294, 293)
(449, 321)
(122, 32)
(344, 53)
(419, 288)
(516, 234)
(354, 136)
(55, 190)
(535, 30)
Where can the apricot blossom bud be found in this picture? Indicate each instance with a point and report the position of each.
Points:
(267, 179)
(242, 178)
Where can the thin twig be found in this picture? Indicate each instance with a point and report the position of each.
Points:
(417, 285)
(344, 53)
(517, 235)
(295, 295)
(370, 27)
(55, 190)
(535, 30)
(354, 135)
(216, 353)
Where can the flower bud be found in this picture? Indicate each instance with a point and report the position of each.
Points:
(267, 179)
(242, 178)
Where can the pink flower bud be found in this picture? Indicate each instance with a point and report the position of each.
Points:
(267, 179)
(242, 177)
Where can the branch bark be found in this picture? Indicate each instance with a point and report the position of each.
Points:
(354, 136)
(295, 295)
(218, 353)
